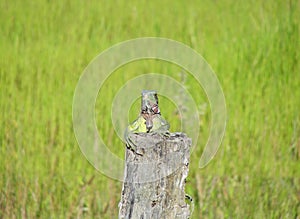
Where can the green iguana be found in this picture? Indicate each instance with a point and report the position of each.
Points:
(149, 120)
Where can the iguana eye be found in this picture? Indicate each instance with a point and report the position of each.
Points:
(155, 109)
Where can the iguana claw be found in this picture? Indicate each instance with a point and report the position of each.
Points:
(192, 204)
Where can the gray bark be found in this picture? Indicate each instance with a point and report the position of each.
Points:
(154, 178)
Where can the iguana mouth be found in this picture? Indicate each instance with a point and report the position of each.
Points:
(149, 124)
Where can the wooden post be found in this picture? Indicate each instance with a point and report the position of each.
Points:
(154, 178)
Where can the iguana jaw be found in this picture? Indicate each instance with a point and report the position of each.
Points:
(148, 117)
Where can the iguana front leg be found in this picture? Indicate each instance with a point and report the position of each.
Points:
(129, 144)
(160, 126)
(138, 126)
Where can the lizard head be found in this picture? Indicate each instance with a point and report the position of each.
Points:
(149, 107)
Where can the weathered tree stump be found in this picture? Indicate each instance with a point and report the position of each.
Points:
(154, 178)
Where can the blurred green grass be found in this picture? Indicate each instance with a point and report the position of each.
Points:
(254, 49)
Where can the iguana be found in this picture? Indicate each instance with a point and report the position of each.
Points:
(149, 120)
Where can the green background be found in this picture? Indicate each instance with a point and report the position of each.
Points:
(253, 46)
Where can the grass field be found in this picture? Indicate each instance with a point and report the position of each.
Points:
(254, 48)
